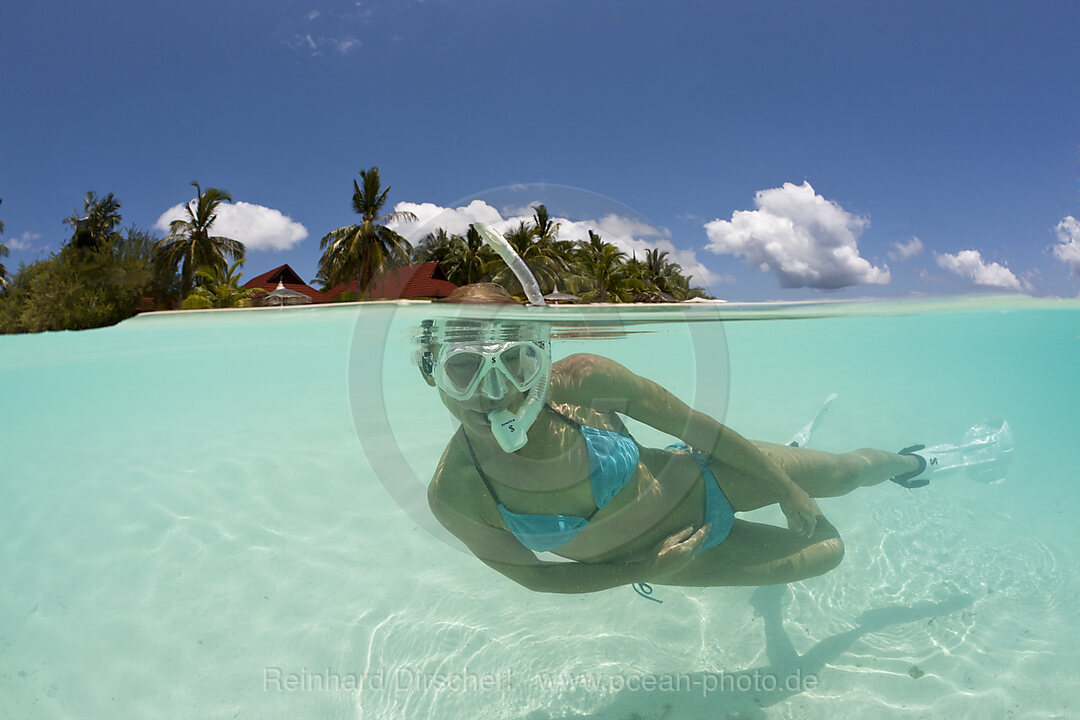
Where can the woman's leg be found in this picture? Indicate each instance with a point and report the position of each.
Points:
(759, 554)
(820, 474)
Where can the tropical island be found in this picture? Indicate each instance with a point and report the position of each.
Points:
(105, 272)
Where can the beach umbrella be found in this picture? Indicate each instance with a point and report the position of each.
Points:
(557, 297)
(284, 296)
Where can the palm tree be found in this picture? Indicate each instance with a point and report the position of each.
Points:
(3, 254)
(539, 255)
(435, 246)
(546, 232)
(190, 243)
(465, 259)
(359, 253)
(469, 257)
(680, 288)
(657, 268)
(602, 265)
(101, 217)
(656, 272)
(220, 288)
(545, 229)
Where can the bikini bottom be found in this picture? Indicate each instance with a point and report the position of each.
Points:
(718, 510)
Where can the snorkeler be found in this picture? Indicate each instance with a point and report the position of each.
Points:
(542, 462)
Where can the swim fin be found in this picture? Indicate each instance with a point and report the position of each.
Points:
(985, 452)
(801, 439)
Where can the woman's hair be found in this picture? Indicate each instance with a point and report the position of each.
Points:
(481, 294)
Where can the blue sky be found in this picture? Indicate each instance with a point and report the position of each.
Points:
(781, 150)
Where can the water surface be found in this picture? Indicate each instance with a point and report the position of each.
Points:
(220, 515)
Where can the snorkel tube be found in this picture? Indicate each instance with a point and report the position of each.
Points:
(521, 271)
(511, 429)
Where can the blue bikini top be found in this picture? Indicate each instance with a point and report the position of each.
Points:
(613, 460)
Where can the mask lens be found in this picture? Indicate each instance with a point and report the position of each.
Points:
(461, 368)
(522, 363)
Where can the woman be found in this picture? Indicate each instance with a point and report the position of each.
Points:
(567, 477)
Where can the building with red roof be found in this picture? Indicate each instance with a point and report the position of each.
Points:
(426, 280)
(285, 275)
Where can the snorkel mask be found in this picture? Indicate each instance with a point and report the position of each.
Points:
(492, 370)
(493, 358)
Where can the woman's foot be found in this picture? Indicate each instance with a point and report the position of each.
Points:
(911, 479)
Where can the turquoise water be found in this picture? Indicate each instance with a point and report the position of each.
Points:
(220, 515)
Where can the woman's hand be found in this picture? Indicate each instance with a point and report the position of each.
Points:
(800, 510)
(677, 551)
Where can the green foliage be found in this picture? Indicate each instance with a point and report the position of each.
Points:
(190, 245)
(360, 253)
(595, 270)
(538, 245)
(197, 301)
(464, 259)
(3, 254)
(83, 287)
(97, 224)
(602, 267)
(219, 288)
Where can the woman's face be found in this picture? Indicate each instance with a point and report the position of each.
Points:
(486, 375)
(480, 368)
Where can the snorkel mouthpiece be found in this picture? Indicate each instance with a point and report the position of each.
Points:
(509, 430)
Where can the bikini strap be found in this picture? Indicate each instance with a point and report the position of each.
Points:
(484, 477)
(476, 463)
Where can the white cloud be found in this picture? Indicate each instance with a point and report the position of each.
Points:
(330, 31)
(806, 240)
(1068, 248)
(905, 251)
(344, 45)
(455, 221)
(22, 242)
(258, 227)
(628, 227)
(627, 234)
(970, 264)
(522, 211)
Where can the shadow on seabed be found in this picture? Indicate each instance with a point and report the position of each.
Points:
(743, 695)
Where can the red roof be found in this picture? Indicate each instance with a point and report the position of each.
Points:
(426, 280)
(286, 276)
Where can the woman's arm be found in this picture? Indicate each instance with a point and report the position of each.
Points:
(501, 551)
(573, 577)
(604, 384)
